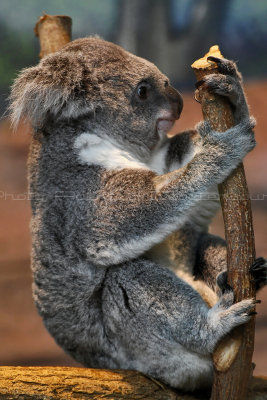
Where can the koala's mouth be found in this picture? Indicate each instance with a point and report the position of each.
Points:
(164, 125)
(166, 120)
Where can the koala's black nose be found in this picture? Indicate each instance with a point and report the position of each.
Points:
(176, 99)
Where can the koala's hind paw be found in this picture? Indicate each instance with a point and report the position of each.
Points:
(240, 312)
(225, 315)
(259, 272)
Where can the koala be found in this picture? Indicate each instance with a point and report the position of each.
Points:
(126, 274)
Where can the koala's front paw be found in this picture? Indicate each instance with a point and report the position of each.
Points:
(233, 144)
(228, 83)
(259, 272)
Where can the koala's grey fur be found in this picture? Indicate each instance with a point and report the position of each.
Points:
(120, 213)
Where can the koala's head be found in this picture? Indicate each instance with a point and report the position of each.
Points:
(119, 95)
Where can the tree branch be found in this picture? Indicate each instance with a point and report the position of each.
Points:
(54, 32)
(67, 383)
(233, 357)
(55, 383)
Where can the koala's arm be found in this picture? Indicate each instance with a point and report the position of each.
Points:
(181, 149)
(136, 209)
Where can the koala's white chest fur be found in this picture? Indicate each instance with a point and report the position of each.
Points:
(93, 150)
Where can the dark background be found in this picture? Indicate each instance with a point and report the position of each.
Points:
(170, 33)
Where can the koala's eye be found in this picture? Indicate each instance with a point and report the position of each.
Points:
(142, 92)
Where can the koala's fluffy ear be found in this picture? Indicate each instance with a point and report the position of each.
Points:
(59, 85)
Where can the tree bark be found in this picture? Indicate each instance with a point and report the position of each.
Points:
(233, 357)
(78, 383)
(67, 383)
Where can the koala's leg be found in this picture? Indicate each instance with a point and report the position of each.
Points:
(158, 324)
(211, 259)
(211, 263)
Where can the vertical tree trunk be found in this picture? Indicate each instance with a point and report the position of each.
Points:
(233, 369)
(54, 32)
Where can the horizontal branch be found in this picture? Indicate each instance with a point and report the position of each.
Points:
(54, 383)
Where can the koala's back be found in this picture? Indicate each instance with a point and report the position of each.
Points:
(67, 288)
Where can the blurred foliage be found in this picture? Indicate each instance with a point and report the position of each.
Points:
(96, 15)
(245, 32)
(16, 51)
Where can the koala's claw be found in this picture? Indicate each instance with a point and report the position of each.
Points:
(215, 59)
(252, 313)
(259, 272)
(224, 66)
